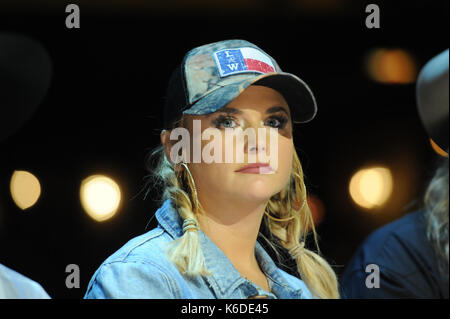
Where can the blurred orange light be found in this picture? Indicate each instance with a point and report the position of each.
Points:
(392, 66)
(317, 208)
(25, 189)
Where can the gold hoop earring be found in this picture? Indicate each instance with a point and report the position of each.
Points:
(192, 182)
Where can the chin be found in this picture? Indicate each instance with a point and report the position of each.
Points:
(260, 190)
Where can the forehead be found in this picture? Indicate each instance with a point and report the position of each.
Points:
(255, 98)
(259, 94)
(259, 98)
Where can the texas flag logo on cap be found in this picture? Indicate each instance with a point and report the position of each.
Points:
(242, 60)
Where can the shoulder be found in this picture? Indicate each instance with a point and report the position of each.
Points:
(398, 241)
(145, 247)
(400, 254)
(139, 269)
(17, 286)
(407, 228)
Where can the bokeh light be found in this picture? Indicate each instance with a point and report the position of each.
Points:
(391, 66)
(25, 189)
(100, 197)
(317, 208)
(371, 187)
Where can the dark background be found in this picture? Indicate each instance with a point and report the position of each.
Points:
(102, 114)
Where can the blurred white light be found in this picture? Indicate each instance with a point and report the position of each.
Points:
(25, 189)
(371, 187)
(100, 197)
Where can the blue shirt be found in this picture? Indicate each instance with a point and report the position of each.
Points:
(141, 269)
(16, 286)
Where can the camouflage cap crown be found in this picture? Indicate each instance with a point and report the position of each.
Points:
(212, 75)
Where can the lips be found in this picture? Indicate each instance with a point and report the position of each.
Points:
(256, 168)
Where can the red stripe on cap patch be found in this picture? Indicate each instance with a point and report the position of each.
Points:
(256, 65)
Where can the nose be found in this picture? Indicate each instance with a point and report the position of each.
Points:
(257, 148)
(256, 143)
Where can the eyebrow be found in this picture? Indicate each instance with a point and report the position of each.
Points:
(231, 110)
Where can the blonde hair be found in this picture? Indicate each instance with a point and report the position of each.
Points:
(436, 216)
(290, 225)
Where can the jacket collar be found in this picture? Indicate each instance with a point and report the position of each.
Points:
(225, 278)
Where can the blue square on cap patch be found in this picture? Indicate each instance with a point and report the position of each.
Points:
(230, 61)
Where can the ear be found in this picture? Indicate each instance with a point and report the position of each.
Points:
(167, 143)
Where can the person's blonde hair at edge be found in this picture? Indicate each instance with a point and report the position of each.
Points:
(288, 225)
(436, 215)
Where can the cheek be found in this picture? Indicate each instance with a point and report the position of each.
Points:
(210, 177)
(285, 154)
(210, 174)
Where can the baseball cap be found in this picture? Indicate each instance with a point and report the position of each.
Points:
(212, 75)
(433, 98)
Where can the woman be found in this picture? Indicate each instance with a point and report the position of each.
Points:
(205, 245)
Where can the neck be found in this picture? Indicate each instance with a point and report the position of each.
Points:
(233, 226)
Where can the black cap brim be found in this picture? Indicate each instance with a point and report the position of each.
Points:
(297, 94)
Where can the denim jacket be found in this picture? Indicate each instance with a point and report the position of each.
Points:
(141, 269)
(14, 285)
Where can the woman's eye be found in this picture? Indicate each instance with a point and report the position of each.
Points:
(224, 121)
(230, 122)
(277, 121)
